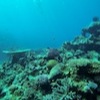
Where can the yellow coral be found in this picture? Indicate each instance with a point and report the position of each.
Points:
(51, 63)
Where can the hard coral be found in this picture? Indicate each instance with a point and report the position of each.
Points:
(93, 28)
(53, 53)
(43, 83)
(51, 63)
(19, 56)
(95, 19)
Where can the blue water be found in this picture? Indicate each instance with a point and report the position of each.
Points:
(43, 23)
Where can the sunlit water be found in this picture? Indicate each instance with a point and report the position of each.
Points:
(43, 23)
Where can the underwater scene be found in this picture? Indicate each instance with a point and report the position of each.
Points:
(49, 49)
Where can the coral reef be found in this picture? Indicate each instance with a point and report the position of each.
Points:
(71, 72)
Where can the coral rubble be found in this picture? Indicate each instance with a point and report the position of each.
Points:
(71, 72)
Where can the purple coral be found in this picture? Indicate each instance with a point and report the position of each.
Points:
(42, 80)
(53, 53)
(43, 83)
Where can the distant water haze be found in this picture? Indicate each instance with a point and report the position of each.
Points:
(43, 23)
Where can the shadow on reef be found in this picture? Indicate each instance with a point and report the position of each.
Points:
(71, 72)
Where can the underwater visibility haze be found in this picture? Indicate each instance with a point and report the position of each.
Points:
(43, 23)
(49, 49)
